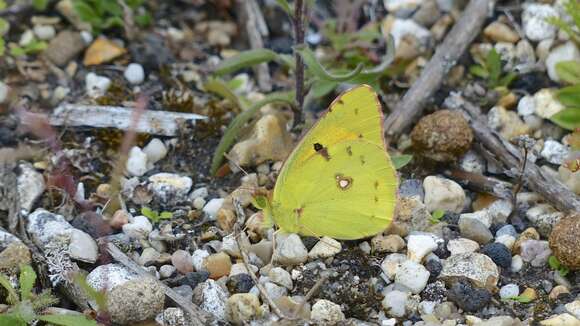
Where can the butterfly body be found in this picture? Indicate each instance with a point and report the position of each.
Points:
(339, 181)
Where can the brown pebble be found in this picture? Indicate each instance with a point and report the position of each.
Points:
(218, 265)
(120, 218)
(389, 243)
(565, 241)
(557, 291)
(528, 234)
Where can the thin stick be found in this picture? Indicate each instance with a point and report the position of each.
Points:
(457, 40)
(198, 316)
(265, 296)
(481, 183)
(510, 156)
(299, 8)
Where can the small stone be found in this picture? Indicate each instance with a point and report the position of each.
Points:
(412, 275)
(500, 210)
(554, 152)
(387, 243)
(198, 258)
(289, 250)
(281, 277)
(288, 306)
(557, 291)
(468, 298)
(134, 301)
(461, 246)
(218, 265)
(102, 51)
(544, 217)
(472, 162)
(500, 32)
(500, 321)
(120, 218)
(269, 140)
(517, 264)
(443, 194)
(134, 73)
(166, 271)
(526, 105)
(507, 123)
(198, 203)
(44, 32)
(565, 52)
(149, 256)
(530, 294)
(508, 230)
(419, 246)
(573, 308)
(528, 234)
(155, 150)
(391, 264)
(169, 187)
(499, 253)
(546, 103)
(64, 47)
(482, 216)
(401, 8)
(434, 267)
(97, 85)
(475, 230)
(564, 319)
(30, 185)
(240, 283)
(395, 302)
(506, 240)
(181, 259)
(211, 297)
(4, 90)
(212, 207)
(139, 228)
(174, 317)
(15, 255)
(570, 179)
(535, 22)
(477, 268)
(509, 291)
(325, 311)
(536, 252)
(326, 247)
(242, 308)
(442, 136)
(240, 268)
(82, 247)
(274, 291)
(565, 243)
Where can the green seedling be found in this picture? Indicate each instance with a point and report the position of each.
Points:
(491, 71)
(155, 216)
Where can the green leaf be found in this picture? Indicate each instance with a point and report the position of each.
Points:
(12, 297)
(245, 59)
(286, 7)
(4, 26)
(86, 13)
(569, 96)
(240, 120)
(67, 320)
(569, 71)
(2, 4)
(11, 320)
(493, 63)
(553, 262)
(520, 299)
(17, 51)
(506, 80)
(321, 88)
(2, 47)
(438, 214)
(27, 279)
(568, 118)
(479, 71)
(40, 5)
(166, 215)
(110, 22)
(319, 71)
(220, 88)
(144, 20)
(260, 202)
(563, 270)
(149, 213)
(400, 161)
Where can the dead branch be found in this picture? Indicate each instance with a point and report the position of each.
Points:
(481, 183)
(256, 28)
(457, 40)
(198, 316)
(510, 156)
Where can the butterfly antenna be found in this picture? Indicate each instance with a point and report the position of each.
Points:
(227, 156)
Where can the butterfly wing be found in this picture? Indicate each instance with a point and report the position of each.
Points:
(339, 181)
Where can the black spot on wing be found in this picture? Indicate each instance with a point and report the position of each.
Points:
(318, 148)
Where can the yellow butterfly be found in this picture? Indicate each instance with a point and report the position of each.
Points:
(339, 181)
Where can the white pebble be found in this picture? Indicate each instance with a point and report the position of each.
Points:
(44, 32)
(535, 24)
(212, 207)
(139, 228)
(87, 37)
(96, 85)
(517, 264)
(565, 52)
(412, 275)
(395, 303)
(134, 73)
(554, 152)
(199, 192)
(166, 271)
(26, 38)
(420, 245)
(509, 291)
(155, 150)
(198, 203)
(137, 162)
(3, 91)
(325, 311)
(326, 247)
(526, 106)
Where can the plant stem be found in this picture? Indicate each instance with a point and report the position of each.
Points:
(299, 10)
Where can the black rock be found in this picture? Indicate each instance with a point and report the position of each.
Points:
(240, 283)
(441, 250)
(499, 253)
(192, 279)
(434, 267)
(467, 297)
